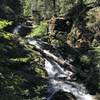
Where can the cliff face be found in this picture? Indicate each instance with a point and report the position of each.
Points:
(84, 36)
(78, 30)
(88, 31)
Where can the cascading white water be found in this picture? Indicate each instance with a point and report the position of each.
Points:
(16, 29)
(59, 78)
(56, 82)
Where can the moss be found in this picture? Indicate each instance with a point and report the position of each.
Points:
(40, 72)
(40, 29)
(89, 1)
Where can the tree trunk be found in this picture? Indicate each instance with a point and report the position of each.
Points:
(46, 53)
(54, 5)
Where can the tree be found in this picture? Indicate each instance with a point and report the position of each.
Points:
(10, 9)
(15, 5)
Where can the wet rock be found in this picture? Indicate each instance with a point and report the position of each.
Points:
(60, 95)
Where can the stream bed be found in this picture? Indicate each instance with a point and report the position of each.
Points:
(59, 78)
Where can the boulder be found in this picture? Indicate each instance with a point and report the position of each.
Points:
(60, 95)
(60, 24)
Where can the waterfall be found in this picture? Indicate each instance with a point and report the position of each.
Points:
(16, 29)
(59, 78)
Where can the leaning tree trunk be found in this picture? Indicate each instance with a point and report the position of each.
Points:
(46, 53)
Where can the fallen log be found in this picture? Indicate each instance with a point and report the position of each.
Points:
(46, 53)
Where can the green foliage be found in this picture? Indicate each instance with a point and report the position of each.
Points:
(18, 70)
(4, 23)
(40, 72)
(90, 68)
(85, 59)
(40, 29)
(21, 77)
(27, 7)
(96, 50)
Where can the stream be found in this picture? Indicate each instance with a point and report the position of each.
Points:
(60, 79)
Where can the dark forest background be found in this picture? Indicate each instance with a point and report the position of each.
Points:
(22, 76)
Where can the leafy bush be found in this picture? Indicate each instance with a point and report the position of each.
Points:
(85, 59)
(20, 76)
(40, 29)
(4, 23)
